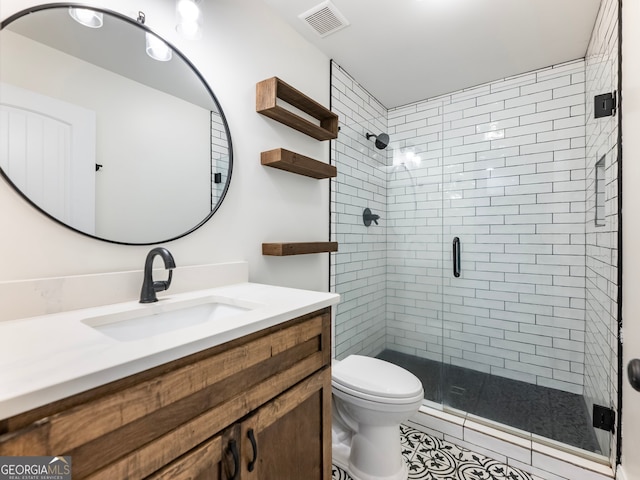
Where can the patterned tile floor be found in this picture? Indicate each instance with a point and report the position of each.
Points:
(430, 458)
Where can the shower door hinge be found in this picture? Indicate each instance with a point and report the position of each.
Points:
(604, 418)
(605, 105)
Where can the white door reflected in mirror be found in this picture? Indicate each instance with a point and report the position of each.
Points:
(49, 151)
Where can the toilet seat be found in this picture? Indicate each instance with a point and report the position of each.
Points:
(376, 381)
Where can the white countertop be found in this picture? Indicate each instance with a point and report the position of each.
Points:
(50, 357)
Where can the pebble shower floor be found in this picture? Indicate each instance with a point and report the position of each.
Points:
(430, 458)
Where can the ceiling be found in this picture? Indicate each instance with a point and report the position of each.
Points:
(403, 51)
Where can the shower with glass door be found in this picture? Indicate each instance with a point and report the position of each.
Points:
(492, 271)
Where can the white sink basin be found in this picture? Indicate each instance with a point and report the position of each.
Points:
(144, 321)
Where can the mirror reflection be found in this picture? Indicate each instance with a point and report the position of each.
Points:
(101, 136)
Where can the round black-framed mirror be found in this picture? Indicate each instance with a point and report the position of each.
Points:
(110, 142)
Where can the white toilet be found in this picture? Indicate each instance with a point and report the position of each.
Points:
(371, 398)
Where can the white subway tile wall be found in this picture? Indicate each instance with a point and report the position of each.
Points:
(601, 337)
(359, 267)
(219, 157)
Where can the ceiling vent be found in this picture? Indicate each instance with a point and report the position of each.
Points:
(324, 19)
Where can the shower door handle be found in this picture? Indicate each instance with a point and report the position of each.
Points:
(456, 257)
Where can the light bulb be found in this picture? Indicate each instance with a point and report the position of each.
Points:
(189, 18)
(157, 49)
(87, 17)
(188, 10)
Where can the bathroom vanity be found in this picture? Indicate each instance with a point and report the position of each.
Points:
(254, 404)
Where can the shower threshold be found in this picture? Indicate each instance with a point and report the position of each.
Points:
(550, 413)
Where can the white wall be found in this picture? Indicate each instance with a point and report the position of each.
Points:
(631, 232)
(242, 44)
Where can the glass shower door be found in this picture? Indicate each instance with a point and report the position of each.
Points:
(487, 330)
(514, 291)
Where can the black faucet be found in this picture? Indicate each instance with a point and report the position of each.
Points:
(149, 287)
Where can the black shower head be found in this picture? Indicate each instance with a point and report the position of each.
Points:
(382, 140)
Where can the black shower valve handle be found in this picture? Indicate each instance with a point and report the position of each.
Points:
(368, 217)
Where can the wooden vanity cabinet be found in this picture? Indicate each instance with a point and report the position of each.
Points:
(284, 439)
(266, 396)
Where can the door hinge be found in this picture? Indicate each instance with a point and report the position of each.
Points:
(605, 105)
(604, 418)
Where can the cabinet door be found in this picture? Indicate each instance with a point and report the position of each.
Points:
(289, 438)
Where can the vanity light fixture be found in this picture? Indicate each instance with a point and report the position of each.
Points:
(87, 17)
(155, 48)
(189, 18)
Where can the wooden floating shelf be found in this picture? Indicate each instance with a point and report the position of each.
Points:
(298, 248)
(267, 93)
(296, 163)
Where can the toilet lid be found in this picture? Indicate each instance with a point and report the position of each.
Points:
(375, 377)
